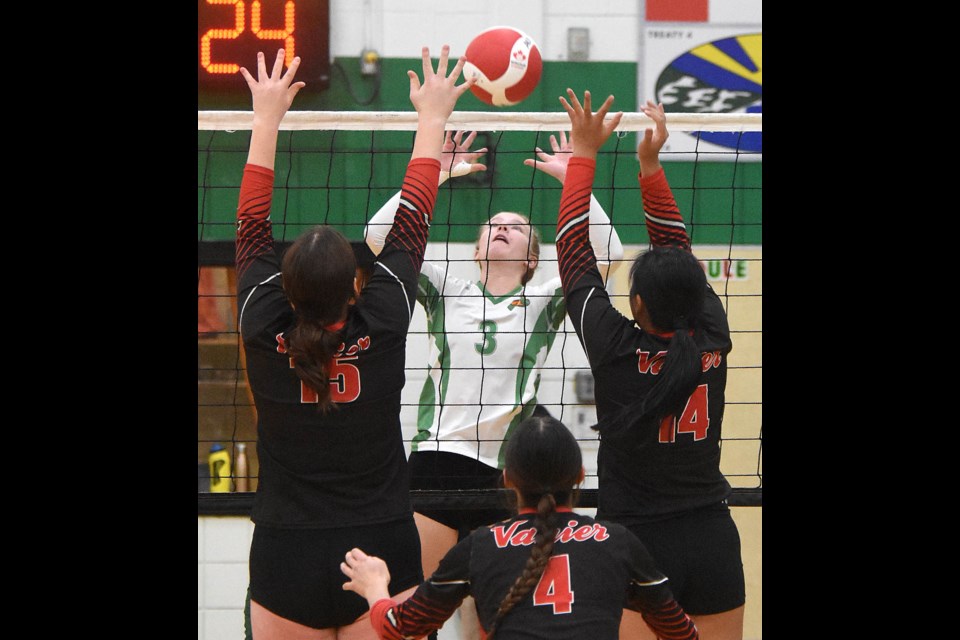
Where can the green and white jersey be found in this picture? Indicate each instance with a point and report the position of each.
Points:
(484, 360)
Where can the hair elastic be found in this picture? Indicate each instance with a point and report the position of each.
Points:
(336, 326)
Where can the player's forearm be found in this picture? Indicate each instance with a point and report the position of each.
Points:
(670, 622)
(254, 231)
(413, 617)
(263, 143)
(649, 164)
(411, 224)
(429, 140)
(380, 224)
(604, 239)
(662, 215)
(574, 253)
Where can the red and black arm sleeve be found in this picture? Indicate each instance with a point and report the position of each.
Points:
(254, 231)
(411, 225)
(664, 222)
(670, 622)
(574, 252)
(432, 604)
(413, 618)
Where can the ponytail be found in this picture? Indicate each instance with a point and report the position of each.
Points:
(312, 348)
(672, 285)
(318, 277)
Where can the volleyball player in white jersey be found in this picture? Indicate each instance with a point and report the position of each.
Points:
(489, 339)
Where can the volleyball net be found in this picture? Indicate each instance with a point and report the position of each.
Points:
(339, 168)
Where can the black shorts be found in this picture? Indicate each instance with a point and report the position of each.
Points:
(295, 573)
(443, 470)
(700, 553)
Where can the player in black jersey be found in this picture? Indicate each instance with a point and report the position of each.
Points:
(659, 380)
(326, 368)
(548, 572)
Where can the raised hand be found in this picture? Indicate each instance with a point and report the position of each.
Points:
(589, 130)
(553, 165)
(438, 93)
(648, 151)
(457, 159)
(272, 96)
(434, 99)
(273, 93)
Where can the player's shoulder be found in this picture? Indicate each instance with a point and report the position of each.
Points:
(436, 274)
(547, 287)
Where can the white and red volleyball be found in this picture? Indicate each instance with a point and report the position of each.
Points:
(506, 63)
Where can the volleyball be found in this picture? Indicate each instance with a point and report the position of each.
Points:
(506, 63)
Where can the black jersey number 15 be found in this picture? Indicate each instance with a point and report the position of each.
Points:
(344, 383)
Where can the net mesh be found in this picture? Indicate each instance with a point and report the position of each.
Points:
(339, 168)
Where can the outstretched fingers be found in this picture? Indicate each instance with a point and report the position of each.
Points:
(278, 65)
(427, 64)
(605, 107)
(261, 66)
(414, 82)
(469, 82)
(291, 71)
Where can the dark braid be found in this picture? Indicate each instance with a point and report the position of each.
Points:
(542, 460)
(547, 525)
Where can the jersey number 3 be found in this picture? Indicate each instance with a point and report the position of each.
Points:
(695, 418)
(554, 587)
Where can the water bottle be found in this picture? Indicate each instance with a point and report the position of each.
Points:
(219, 460)
(241, 468)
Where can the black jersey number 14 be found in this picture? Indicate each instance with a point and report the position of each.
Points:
(695, 418)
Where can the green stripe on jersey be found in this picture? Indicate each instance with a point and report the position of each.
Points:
(434, 308)
(543, 336)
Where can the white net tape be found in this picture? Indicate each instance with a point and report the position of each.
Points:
(469, 121)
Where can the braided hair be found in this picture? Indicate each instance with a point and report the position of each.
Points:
(543, 462)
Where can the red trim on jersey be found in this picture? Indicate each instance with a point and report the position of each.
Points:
(336, 326)
(529, 510)
(668, 334)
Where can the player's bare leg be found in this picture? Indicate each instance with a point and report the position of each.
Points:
(721, 626)
(632, 627)
(469, 620)
(435, 540)
(267, 625)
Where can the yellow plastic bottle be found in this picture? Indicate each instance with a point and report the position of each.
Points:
(219, 469)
